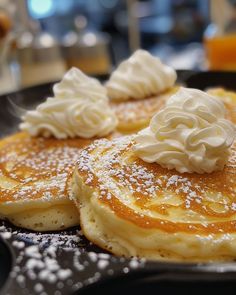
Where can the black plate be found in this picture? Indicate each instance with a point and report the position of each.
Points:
(6, 262)
(116, 275)
(204, 80)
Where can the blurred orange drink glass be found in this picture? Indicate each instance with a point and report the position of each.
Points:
(221, 52)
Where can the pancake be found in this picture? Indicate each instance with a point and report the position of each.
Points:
(34, 175)
(134, 115)
(133, 208)
(229, 99)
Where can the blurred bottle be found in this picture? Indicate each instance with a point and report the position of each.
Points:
(5, 24)
(40, 58)
(38, 52)
(220, 36)
(87, 49)
(8, 75)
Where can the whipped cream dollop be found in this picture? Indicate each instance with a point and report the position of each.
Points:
(80, 108)
(78, 85)
(190, 134)
(141, 76)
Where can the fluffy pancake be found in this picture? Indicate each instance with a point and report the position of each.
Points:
(34, 175)
(134, 115)
(229, 99)
(134, 208)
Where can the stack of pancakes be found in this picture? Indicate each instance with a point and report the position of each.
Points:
(123, 204)
(154, 212)
(133, 208)
(34, 173)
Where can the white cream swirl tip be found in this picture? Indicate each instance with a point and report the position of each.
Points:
(78, 85)
(141, 76)
(190, 134)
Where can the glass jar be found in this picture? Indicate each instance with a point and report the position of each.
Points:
(220, 36)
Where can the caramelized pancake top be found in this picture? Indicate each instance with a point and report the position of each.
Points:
(229, 99)
(36, 168)
(156, 198)
(133, 111)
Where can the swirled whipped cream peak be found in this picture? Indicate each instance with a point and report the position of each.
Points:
(141, 76)
(78, 85)
(190, 134)
(79, 108)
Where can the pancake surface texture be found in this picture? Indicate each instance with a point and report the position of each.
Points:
(134, 115)
(34, 175)
(229, 99)
(134, 208)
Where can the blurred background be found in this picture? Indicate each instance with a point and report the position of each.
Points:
(41, 39)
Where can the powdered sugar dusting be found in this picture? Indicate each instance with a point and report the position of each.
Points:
(38, 168)
(58, 261)
(132, 111)
(149, 189)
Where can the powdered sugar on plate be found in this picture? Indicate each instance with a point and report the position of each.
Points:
(59, 261)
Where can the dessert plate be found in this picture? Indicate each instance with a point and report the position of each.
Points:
(66, 263)
(6, 262)
(203, 80)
